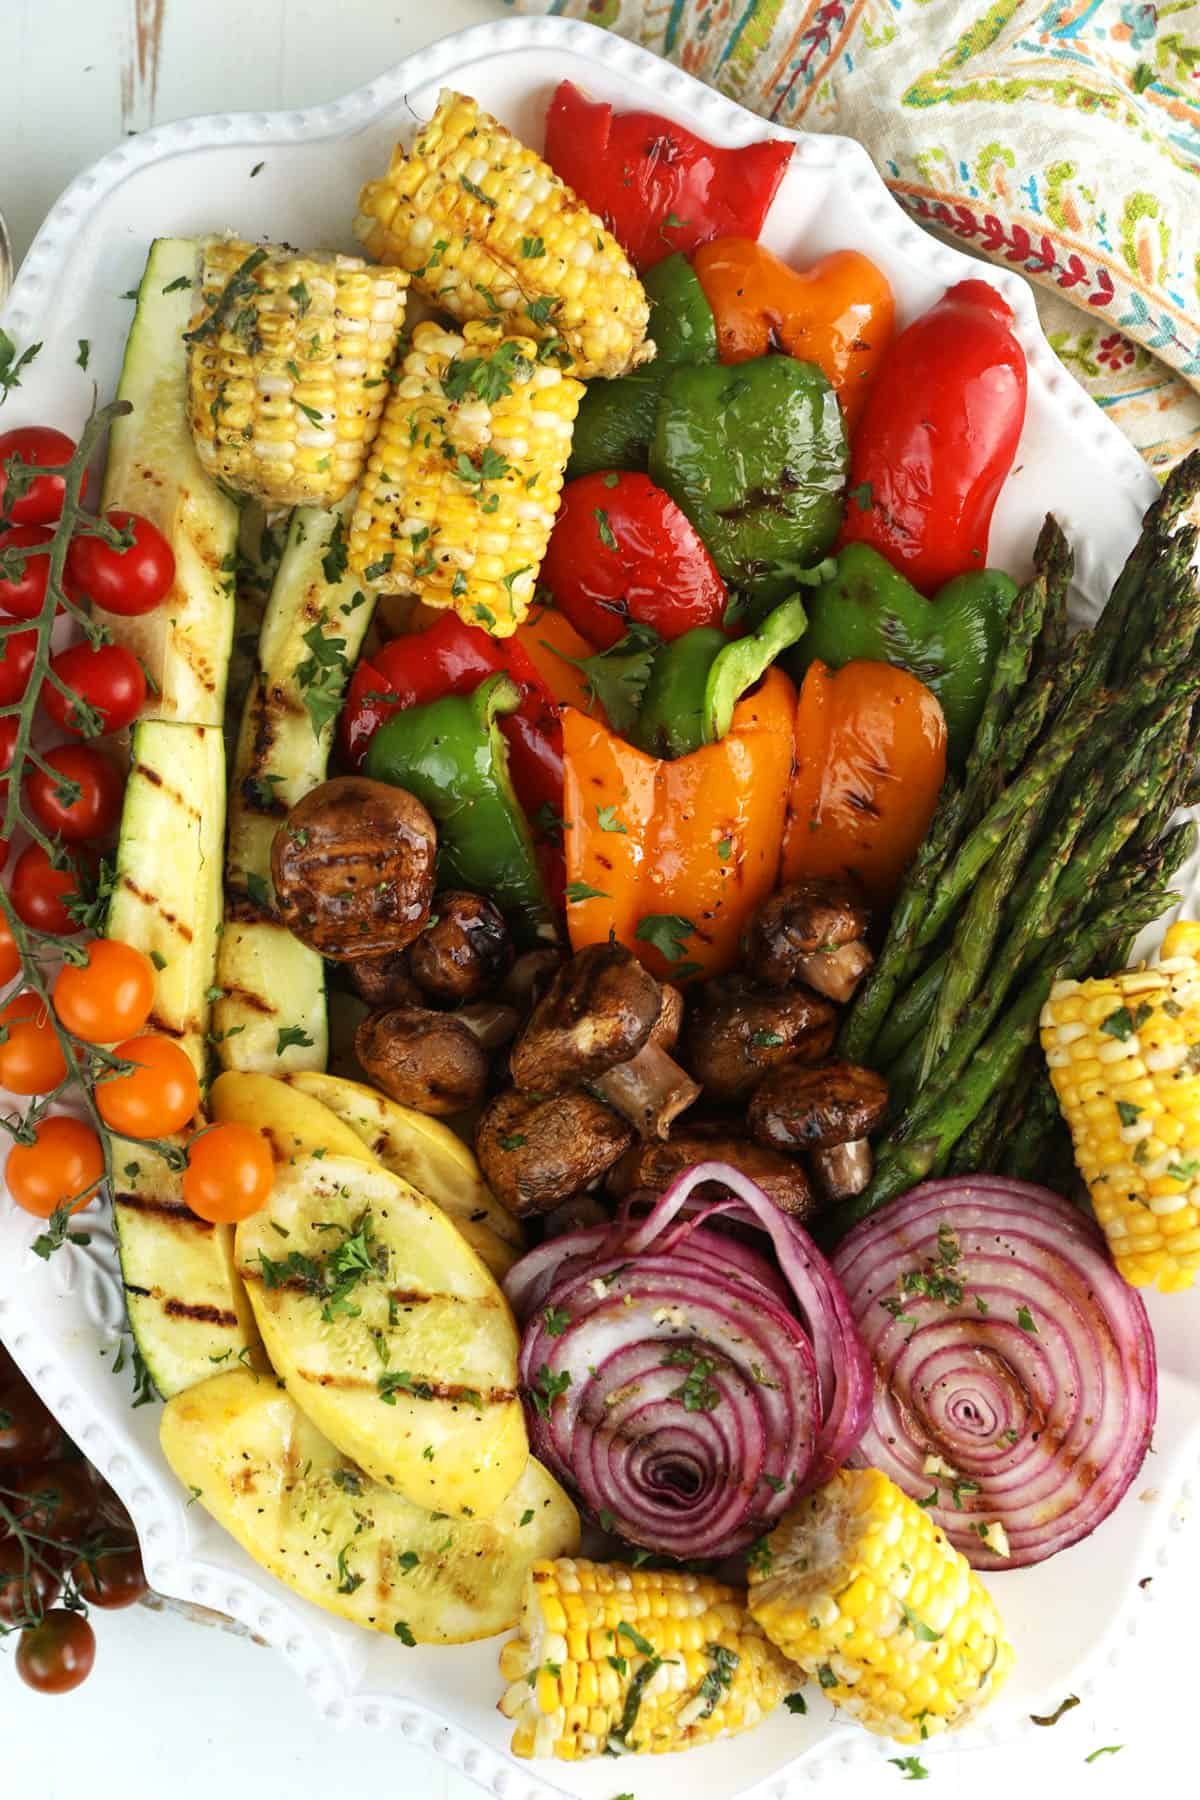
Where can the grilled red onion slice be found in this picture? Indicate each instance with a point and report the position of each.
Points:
(686, 1387)
(1015, 1371)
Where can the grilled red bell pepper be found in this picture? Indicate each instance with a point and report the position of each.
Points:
(453, 658)
(938, 438)
(622, 553)
(657, 186)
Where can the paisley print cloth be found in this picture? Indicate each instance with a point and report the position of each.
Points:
(1061, 139)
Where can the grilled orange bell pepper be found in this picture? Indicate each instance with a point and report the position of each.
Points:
(673, 857)
(870, 761)
(838, 314)
(554, 647)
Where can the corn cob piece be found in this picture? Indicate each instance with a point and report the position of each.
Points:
(287, 368)
(612, 1658)
(1123, 1053)
(463, 482)
(860, 1588)
(487, 229)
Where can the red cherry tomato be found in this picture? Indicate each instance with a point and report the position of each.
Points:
(29, 1433)
(10, 956)
(25, 1592)
(24, 596)
(40, 892)
(229, 1174)
(58, 1654)
(17, 652)
(108, 997)
(93, 811)
(31, 1060)
(64, 1163)
(158, 1097)
(113, 1578)
(56, 1499)
(130, 581)
(40, 446)
(109, 679)
(622, 553)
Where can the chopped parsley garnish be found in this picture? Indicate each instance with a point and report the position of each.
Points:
(924, 1633)
(719, 1678)
(642, 1645)
(579, 890)
(348, 1581)
(668, 932)
(766, 1040)
(403, 1633)
(697, 1391)
(322, 677)
(863, 496)
(556, 1319)
(331, 1278)
(336, 559)
(911, 1767)
(826, 1676)
(1026, 1321)
(547, 1387)
(796, 1703)
(606, 818)
(1122, 1024)
(290, 1035)
(401, 1381)
(477, 193)
(607, 537)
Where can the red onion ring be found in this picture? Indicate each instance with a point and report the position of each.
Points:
(688, 1389)
(1028, 1373)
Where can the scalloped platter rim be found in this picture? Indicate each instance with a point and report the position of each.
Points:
(1071, 1618)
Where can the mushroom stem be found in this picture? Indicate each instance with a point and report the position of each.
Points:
(844, 1170)
(650, 1090)
(837, 972)
(490, 1022)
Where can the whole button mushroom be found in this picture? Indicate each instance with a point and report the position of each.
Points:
(384, 981)
(654, 1166)
(604, 1023)
(736, 1033)
(829, 1112)
(537, 1150)
(814, 932)
(428, 1060)
(463, 952)
(353, 868)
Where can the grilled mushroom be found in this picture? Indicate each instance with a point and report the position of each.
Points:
(735, 1034)
(529, 978)
(813, 932)
(429, 1060)
(384, 981)
(827, 1111)
(352, 866)
(603, 1023)
(536, 1150)
(464, 951)
(655, 1165)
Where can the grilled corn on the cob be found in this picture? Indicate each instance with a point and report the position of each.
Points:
(1124, 1057)
(462, 484)
(287, 368)
(634, 1659)
(487, 230)
(860, 1588)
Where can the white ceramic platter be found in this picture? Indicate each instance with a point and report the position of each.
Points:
(295, 176)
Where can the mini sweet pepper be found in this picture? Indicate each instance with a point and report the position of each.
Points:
(870, 611)
(672, 857)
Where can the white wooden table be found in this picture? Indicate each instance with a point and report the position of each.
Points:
(172, 1707)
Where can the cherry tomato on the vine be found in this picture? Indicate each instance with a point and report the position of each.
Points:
(108, 997)
(58, 1654)
(64, 1163)
(112, 1578)
(24, 595)
(157, 1097)
(40, 892)
(93, 810)
(109, 679)
(229, 1174)
(56, 1499)
(25, 1592)
(31, 1059)
(10, 956)
(29, 1432)
(17, 651)
(127, 582)
(41, 447)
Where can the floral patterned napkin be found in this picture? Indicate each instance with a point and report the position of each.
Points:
(1062, 139)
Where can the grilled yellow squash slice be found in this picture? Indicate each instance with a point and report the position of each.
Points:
(388, 1330)
(339, 1539)
(426, 1153)
(293, 1124)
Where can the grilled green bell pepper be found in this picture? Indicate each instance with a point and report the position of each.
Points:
(756, 456)
(616, 418)
(868, 610)
(452, 755)
(741, 664)
(697, 680)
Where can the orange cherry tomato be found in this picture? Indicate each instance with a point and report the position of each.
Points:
(65, 1163)
(108, 997)
(229, 1174)
(10, 956)
(837, 314)
(31, 1059)
(157, 1097)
